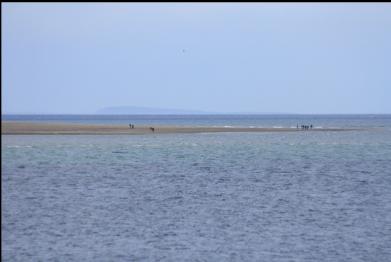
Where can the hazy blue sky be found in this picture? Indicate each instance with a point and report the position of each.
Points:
(295, 58)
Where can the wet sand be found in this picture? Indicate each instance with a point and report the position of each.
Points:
(29, 128)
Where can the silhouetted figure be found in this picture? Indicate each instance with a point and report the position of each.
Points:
(130, 125)
(311, 126)
(152, 129)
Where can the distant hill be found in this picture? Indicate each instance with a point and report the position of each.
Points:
(137, 110)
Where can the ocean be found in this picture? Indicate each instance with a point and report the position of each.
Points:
(272, 196)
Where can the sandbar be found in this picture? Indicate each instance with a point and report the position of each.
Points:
(36, 128)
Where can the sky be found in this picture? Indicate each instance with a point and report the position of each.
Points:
(76, 58)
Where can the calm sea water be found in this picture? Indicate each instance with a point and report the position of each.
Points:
(305, 196)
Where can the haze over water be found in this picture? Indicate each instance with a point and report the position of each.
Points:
(302, 196)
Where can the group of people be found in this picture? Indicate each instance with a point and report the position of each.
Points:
(304, 127)
(131, 126)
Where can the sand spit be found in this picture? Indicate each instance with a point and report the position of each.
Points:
(30, 128)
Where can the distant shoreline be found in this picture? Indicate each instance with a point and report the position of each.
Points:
(33, 128)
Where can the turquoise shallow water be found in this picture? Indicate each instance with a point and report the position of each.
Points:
(306, 196)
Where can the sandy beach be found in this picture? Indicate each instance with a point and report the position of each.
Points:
(29, 128)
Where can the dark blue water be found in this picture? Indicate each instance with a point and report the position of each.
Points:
(217, 120)
(301, 196)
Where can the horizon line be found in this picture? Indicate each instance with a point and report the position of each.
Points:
(189, 114)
